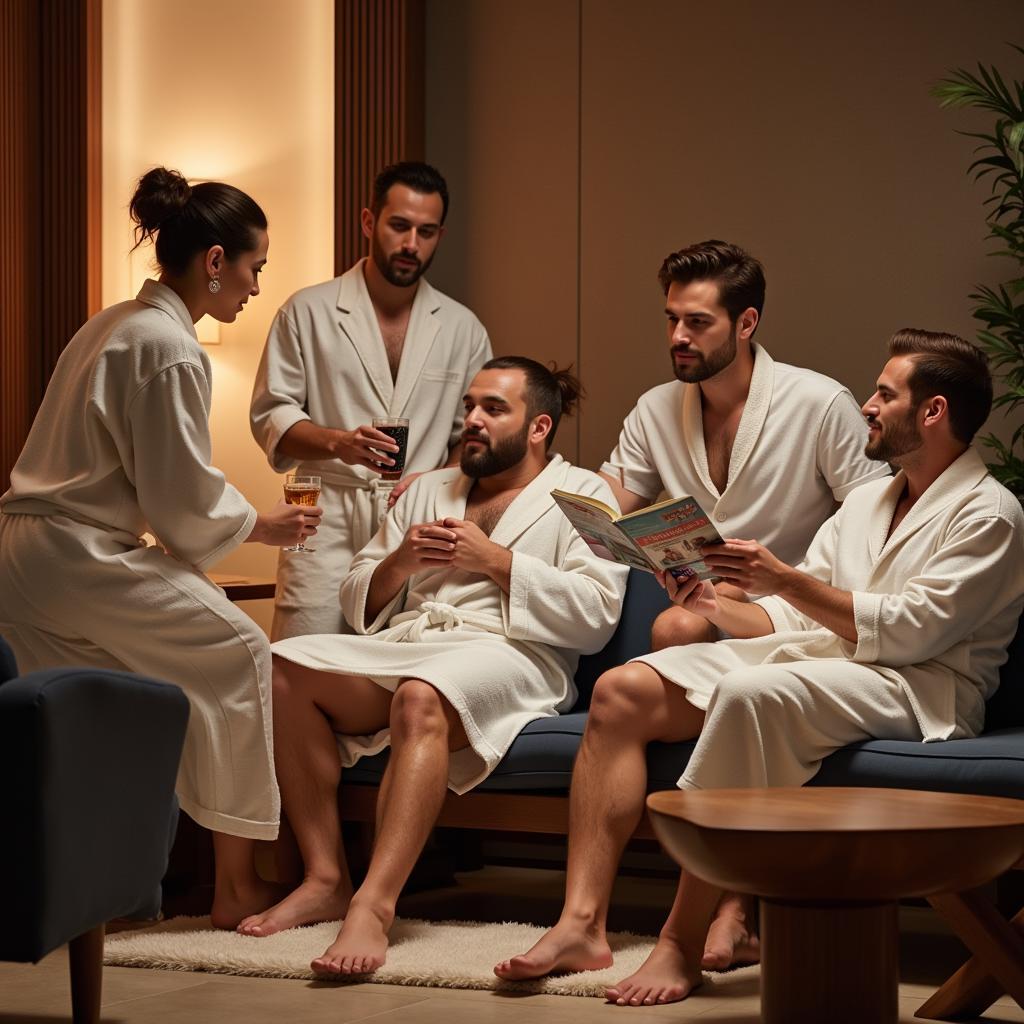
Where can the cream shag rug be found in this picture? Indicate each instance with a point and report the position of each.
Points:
(450, 954)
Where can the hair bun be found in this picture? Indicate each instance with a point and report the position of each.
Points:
(159, 195)
(570, 388)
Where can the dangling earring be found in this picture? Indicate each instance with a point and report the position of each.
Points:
(214, 285)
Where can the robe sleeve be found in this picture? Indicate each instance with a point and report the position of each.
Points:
(575, 604)
(631, 462)
(840, 448)
(356, 584)
(190, 507)
(978, 567)
(279, 394)
(481, 352)
(818, 562)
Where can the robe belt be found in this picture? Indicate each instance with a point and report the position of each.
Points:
(380, 490)
(438, 615)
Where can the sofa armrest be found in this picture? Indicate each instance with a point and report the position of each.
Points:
(88, 762)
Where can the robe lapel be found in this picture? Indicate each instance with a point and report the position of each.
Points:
(359, 323)
(450, 500)
(693, 436)
(957, 479)
(424, 323)
(530, 504)
(882, 516)
(167, 300)
(755, 412)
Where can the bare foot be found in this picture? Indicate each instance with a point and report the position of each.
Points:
(361, 946)
(313, 901)
(232, 903)
(665, 977)
(566, 947)
(730, 942)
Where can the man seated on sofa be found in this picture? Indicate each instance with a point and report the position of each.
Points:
(894, 626)
(474, 600)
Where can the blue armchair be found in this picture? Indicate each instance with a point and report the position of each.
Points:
(88, 761)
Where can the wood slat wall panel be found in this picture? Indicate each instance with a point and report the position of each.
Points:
(379, 105)
(50, 76)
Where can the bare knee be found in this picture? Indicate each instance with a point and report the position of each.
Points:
(676, 627)
(624, 697)
(418, 710)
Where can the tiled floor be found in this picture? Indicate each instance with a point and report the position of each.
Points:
(39, 994)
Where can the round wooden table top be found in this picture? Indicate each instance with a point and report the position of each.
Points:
(857, 844)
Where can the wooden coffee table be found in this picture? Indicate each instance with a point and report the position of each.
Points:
(829, 866)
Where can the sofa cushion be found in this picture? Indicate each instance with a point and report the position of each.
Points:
(1006, 708)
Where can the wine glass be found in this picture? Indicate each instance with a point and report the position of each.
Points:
(301, 490)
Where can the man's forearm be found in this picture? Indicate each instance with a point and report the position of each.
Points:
(385, 583)
(741, 619)
(828, 605)
(307, 440)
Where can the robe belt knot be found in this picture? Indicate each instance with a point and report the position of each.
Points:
(437, 613)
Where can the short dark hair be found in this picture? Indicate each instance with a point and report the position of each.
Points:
(186, 219)
(740, 277)
(945, 364)
(550, 391)
(418, 176)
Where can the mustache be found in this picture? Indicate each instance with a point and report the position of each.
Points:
(475, 435)
(405, 256)
(686, 350)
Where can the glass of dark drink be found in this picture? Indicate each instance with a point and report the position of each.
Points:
(397, 428)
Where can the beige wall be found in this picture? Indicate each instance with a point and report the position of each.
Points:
(241, 92)
(801, 130)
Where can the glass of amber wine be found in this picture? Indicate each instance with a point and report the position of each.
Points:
(301, 490)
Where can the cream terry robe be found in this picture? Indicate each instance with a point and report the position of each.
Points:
(501, 660)
(935, 605)
(325, 361)
(799, 450)
(121, 446)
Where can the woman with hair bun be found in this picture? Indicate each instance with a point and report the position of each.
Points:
(121, 446)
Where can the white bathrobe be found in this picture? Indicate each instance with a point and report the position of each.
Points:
(325, 361)
(799, 449)
(121, 446)
(935, 606)
(501, 660)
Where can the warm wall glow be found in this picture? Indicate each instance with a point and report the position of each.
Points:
(240, 91)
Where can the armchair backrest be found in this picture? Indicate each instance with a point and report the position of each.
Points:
(8, 665)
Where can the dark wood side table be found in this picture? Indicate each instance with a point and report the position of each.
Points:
(829, 866)
(244, 588)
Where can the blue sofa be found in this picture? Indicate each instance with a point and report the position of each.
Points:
(527, 792)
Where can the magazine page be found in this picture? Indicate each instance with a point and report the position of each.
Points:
(599, 532)
(671, 535)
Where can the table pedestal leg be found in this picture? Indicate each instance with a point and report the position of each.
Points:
(829, 962)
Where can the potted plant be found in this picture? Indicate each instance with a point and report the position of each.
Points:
(1000, 310)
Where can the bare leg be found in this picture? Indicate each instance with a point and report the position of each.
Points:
(672, 971)
(309, 708)
(237, 890)
(676, 627)
(424, 729)
(632, 705)
(731, 940)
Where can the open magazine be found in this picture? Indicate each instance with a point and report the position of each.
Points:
(667, 536)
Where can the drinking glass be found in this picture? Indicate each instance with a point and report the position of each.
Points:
(301, 490)
(397, 428)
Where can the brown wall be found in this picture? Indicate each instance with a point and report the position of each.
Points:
(587, 139)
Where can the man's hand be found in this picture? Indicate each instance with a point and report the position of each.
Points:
(690, 592)
(476, 552)
(748, 565)
(365, 446)
(400, 488)
(285, 524)
(424, 546)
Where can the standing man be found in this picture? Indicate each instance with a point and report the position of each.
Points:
(893, 627)
(768, 450)
(378, 341)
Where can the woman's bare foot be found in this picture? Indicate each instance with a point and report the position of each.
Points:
(233, 902)
(567, 947)
(313, 901)
(362, 944)
(730, 942)
(665, 977)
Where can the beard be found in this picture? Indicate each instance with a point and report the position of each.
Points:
(497, 457)
(392, 271)
(707, 366)
(901, 438)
